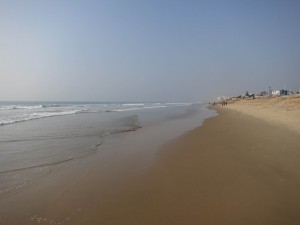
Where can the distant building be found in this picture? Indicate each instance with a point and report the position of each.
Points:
(263, 93)
(222, 98)
(270, 91)
(276, 93)
(284, 92)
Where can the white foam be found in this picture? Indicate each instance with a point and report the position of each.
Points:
(123, 110)
(12, 107)
(155, 107)
(23, 112)
(50, 114)
(180, 103)
(133, 104)
(37, 115)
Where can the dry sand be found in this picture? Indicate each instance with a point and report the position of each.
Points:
(277, 110)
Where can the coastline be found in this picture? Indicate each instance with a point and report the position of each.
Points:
(150, 112)
(67, 190)
(234, 169)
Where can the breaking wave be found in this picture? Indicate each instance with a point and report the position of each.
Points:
(39, 115)
(12, 107)
(14, 113)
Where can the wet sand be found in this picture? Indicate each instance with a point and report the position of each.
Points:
(235, 169)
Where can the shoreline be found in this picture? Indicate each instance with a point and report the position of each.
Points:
(63, 194)
(233, 169)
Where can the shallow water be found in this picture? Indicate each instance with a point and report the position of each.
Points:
(32, 149)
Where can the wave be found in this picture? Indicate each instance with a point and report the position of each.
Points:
(31, 107)
(12, 107)
(133, 104)
(154, 107)
(40, 115)
(132, 109)
(24, 112)
(180, 103)
(53, 105)
(122, 110)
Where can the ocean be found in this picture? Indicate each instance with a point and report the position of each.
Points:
(40, 139)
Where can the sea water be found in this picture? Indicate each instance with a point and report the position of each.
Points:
(38, 139)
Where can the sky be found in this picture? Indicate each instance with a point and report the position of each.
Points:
(138, 50)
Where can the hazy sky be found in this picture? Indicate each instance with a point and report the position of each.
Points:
(147, 50)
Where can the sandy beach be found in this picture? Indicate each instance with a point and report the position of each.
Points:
(150, 112)
(284, 111)
(235, 169)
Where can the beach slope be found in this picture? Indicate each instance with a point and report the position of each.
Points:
(283, 110)
(235, 169)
